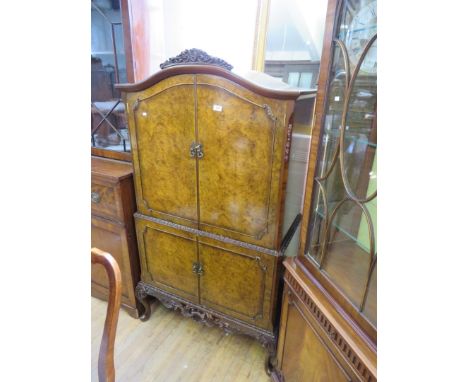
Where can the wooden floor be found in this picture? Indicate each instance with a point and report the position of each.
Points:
(169, 347)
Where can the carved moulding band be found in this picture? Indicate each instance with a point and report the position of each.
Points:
(207, 316)
(209, 235)
(197, 57)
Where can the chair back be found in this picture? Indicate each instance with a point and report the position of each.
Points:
(106, 370)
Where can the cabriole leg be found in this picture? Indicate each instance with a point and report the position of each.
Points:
(145, 300)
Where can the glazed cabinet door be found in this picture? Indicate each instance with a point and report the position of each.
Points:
(167, 258)
(236, 284)
(239, 170)
(162, 125)
(339, 241)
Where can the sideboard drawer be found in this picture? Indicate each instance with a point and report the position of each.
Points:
(104, 200)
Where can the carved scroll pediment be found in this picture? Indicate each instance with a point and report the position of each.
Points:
(197, 57)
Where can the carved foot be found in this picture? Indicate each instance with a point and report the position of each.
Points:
(145, 300)
(146, 309)
(270, 360)
(270, 364)
(276, 375)
(271, 367)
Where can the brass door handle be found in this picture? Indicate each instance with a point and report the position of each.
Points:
(196, 149)
(95, 197)
(197, 268)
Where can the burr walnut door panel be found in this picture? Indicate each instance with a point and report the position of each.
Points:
(162, 132)
(238, 173)
(305, 356)
(236, 284)
(167, 257)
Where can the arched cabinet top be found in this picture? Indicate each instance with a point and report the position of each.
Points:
(175, 70)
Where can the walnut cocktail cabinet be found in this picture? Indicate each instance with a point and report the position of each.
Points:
(113, 229)
(210, 153)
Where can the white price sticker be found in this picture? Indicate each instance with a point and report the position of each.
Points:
(217, 107)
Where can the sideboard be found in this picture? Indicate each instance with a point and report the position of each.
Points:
(113, 229)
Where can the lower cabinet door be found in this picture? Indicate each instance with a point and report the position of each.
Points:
(305, 356)
(236, 284)
(167, 258)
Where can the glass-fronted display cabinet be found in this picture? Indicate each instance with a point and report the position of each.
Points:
(341, 236)
(328, 328)
(109, 134)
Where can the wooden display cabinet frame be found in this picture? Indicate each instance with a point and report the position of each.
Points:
(130, 68)
(339, 341)
(320, 105)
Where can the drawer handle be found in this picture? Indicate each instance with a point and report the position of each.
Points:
(95, 197)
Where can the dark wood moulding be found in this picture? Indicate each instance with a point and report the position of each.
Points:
(213, 70)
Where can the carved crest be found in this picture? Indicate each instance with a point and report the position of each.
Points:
(195, 56)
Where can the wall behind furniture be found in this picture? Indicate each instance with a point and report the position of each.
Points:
(222, 28)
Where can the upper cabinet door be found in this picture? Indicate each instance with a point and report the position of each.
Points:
(163, 131)
(242, 142)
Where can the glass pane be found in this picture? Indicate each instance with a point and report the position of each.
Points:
(120, 50)
(306, 80)
(294, 40)
(108, 121)
(346, 260)
(370, 306)
(358, 26)
(330, 191)
(318, 217)
(360, 136)
(343, 222)
(293, 78)
(333, 114)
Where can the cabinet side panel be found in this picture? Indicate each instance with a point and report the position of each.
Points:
(306, 357)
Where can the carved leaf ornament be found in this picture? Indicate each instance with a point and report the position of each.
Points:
(197, 57)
